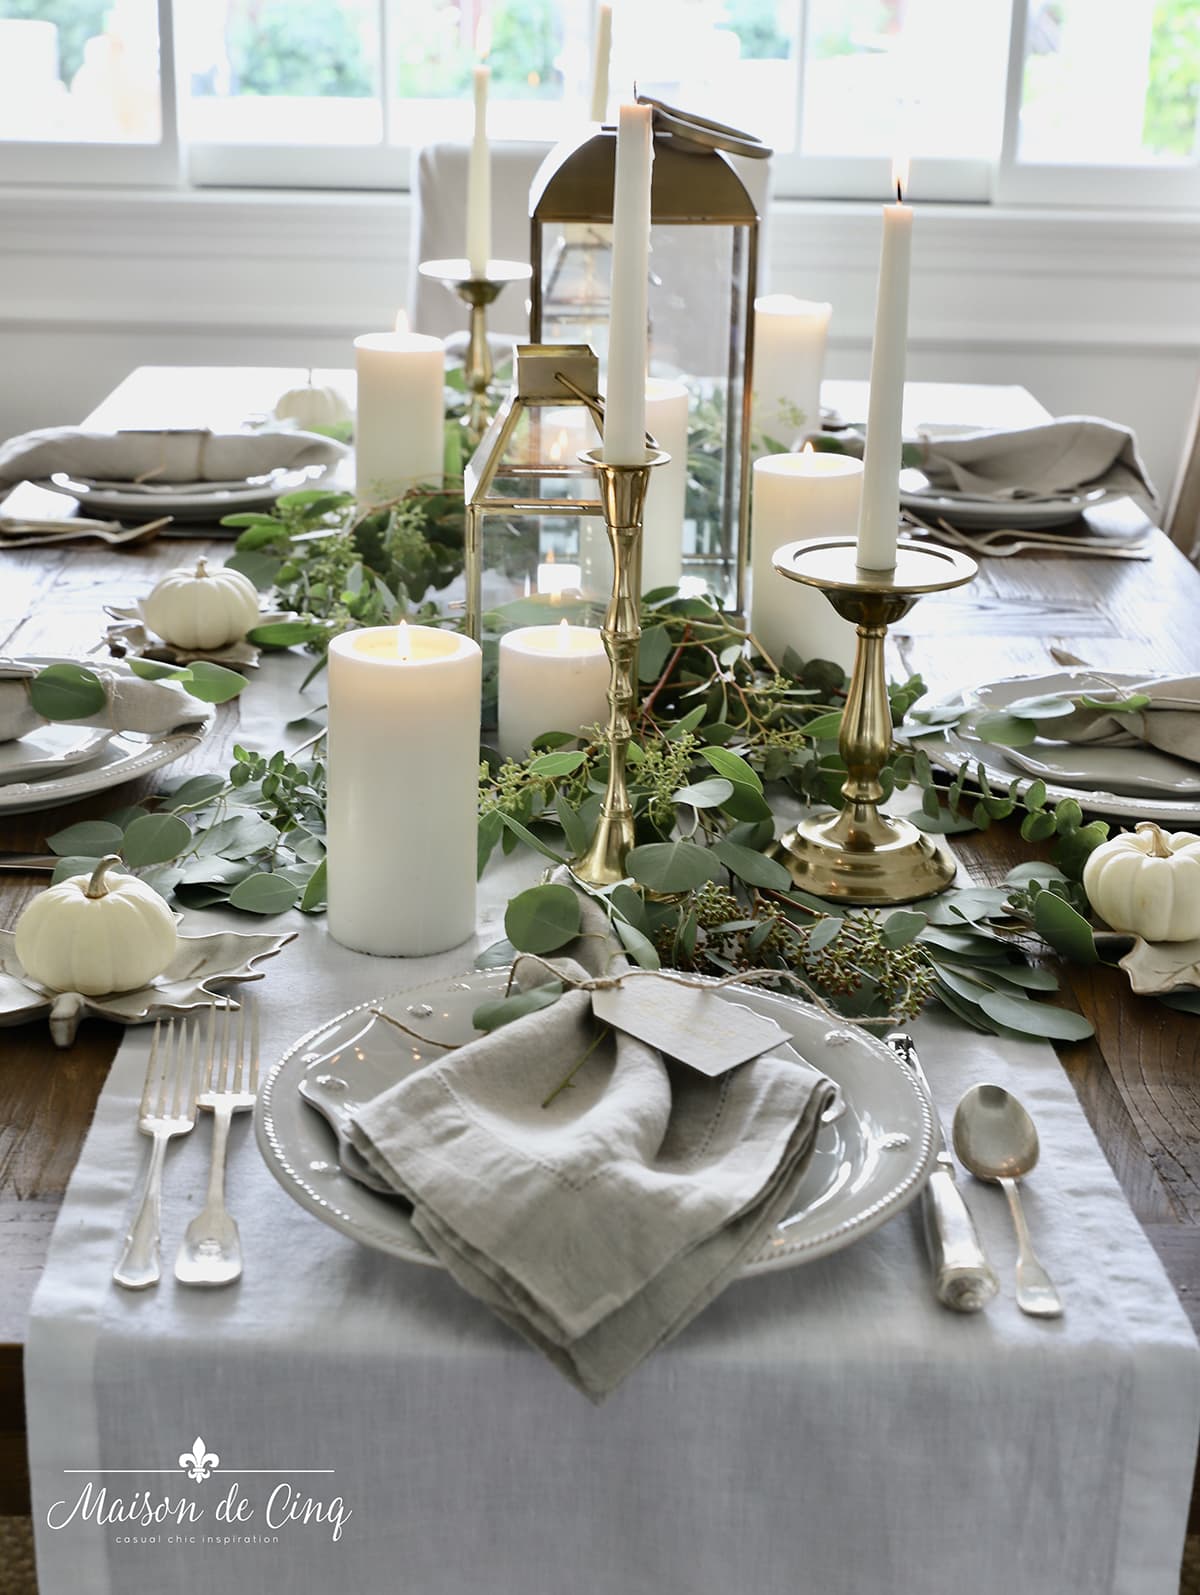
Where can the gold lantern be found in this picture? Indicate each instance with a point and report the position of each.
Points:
(701, 304)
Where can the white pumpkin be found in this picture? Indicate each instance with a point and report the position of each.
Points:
(1147, 882)
(312, 406)
(202, 608)
(96, 934)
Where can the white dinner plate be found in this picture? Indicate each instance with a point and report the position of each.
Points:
(984, 514)
(187, 501)
(1148, 801)
(48, 748)
(867, 1165)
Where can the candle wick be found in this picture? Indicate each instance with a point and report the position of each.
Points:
(899, 193)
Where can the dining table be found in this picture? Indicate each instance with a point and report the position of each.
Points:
(1136, 1077)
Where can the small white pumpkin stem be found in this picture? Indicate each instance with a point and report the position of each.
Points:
(98, 885)
(201, 567)
(1158, 842)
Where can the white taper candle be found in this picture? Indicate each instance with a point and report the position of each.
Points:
(625, 402)
(880, 516)
(600, 61)
(479, 183)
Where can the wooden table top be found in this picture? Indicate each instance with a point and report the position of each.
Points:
(1137, 1079)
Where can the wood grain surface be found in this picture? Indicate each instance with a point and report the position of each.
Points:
(1138, 1079)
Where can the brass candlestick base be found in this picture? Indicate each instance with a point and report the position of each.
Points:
(860, 855)
(477, 292)
(623, 498)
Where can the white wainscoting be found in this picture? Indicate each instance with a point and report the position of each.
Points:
(1094, 312)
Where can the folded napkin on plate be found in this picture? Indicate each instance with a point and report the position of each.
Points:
(129, 457)
(1170, 722)
(1076, 454)
(598, 1226)
(150, 707)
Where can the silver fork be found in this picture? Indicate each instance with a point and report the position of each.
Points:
(168, 1108)
(211, 1250)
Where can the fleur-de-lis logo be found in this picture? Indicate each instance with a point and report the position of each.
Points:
(198, 1463)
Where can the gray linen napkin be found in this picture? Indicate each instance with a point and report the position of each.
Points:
(1071, 455)
(126, 457)
(1170, 722)
(152, 708)
(601, 1225)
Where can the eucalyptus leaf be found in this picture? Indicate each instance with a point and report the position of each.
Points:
(314, 894)
(491, 827)
(285, 633)
(498, 956)
(543, 919)
(153, 670)
(1005, 729)
(196, 791)
(824, 932)
(653, 652)
(1043, 706)
(1066, 931)
(213, 683)
(902, 926)
(1129, 705)
(756, 869)
(524, 834)
(555, 764)
(733, 767)
(824, 726)
(66, 867)
(708, 794)
(499, 1011)
(264, 894)
(1034, 1018)
(67, 692)
(639, 946)
(575, 832)
(155, 839)
(672, 866)
(88, 839)
(238, 836)
(163, 879)
(261, 569)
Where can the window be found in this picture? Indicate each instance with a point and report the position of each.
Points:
(1026, 101)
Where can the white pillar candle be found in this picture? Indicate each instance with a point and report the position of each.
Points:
(796, 496)
(399, 427)
(662, 536)
(600, 60)
(402, 798)
(880, 516)
(625, 404)
(789, 362)
(554, 576)
(479, 183)
(552, 678)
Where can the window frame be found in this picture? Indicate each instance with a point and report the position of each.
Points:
(207, 164)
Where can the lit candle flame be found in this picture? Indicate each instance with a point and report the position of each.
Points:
(401, 322)
(402, 643)
(808, 448)
(900, 165)
(564, 636)
(559, 447)
(483, 38)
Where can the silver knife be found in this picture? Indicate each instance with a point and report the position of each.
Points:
(963, 1279)
(31, 863)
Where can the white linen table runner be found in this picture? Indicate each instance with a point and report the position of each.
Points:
(829, 1430)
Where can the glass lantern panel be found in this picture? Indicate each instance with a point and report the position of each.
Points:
(698, 302)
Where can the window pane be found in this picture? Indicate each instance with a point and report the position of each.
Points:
(279, 71)
(539, 52)
(926, 76)
(1111, 87)
(730, 59)
(79, 70)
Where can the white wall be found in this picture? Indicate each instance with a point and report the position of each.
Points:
(1093, 312)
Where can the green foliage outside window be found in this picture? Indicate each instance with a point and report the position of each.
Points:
(77, 22)
(1170, 126)
(301, 47)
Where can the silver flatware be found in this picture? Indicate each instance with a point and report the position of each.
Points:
(963, 1278)
(211, 1250)
(30, 863)
(997, 1140)
(168, 1109)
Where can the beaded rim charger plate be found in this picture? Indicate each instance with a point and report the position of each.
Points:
(869, 1163)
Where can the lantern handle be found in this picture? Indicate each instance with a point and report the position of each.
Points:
(594, 404)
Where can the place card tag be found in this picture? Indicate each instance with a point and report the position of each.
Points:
(698, 1027)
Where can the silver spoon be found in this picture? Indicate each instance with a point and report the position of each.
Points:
(997, 1140)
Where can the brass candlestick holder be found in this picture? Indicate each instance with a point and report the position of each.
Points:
(623, 499)
(477, 292)
(860, 855)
